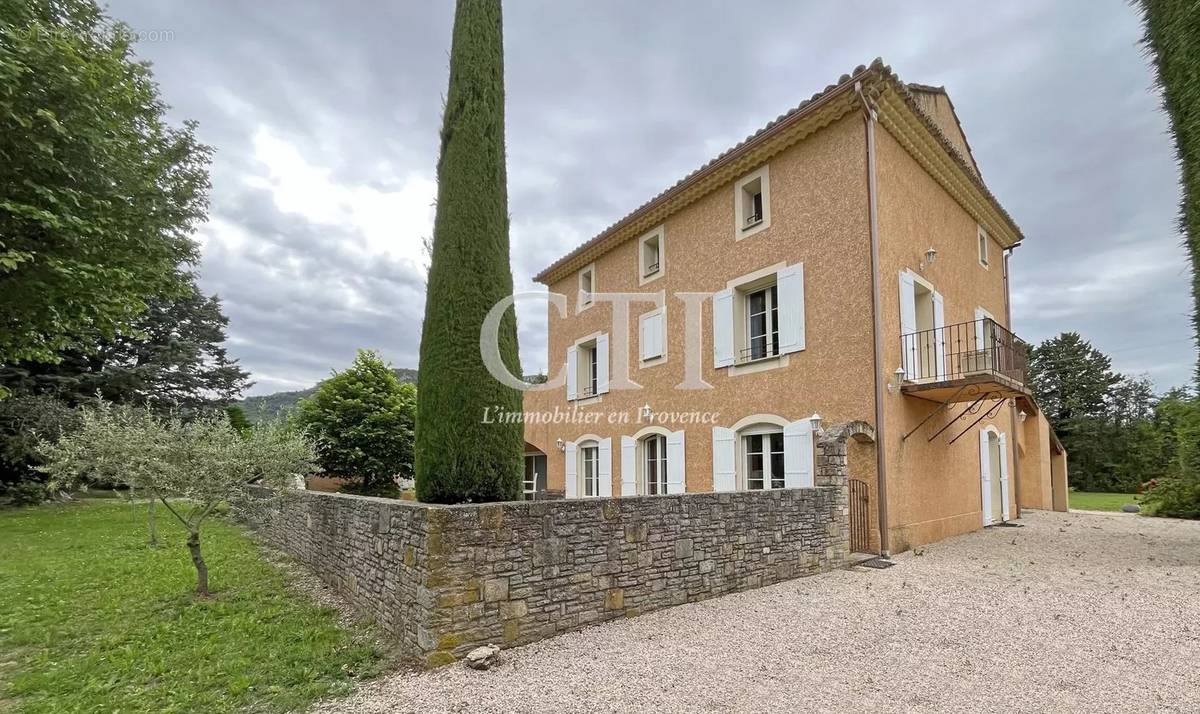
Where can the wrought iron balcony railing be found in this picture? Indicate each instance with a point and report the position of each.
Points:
(968, 349)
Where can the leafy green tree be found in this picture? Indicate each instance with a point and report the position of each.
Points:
(459, 457)
(1071, 379)
(98, 194)
(25, 420)
(170, 358)
(1175, 491)
(237, 419)
(362, 421)
(1171, 31)
(192, 467)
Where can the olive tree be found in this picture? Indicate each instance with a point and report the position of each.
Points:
(192, 467)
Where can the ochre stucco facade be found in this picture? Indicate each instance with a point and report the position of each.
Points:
(820, 216)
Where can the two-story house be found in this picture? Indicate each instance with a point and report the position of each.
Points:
(846, 262)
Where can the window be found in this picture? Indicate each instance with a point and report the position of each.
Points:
(535, 474)
(752, 203)
(762, 324)
(587, 367)
(587, 286)
(763, 467)
(983, 247)
(652, 345)
(587, 370)
(589, 470)
(650, 256)
(654, 465)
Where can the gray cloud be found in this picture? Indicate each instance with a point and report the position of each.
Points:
(325, 119)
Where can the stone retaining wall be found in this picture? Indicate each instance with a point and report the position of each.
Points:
(441, 580)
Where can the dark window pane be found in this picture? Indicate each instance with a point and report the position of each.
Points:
(776, 470)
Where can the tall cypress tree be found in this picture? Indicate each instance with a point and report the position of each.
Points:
(459, 457)
(1173, 39)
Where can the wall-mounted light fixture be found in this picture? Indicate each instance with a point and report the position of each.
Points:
(930, 257)
(897, 380)
(815, 420)
(647, 412)
(562, 445)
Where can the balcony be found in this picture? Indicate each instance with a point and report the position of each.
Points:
(970, 361)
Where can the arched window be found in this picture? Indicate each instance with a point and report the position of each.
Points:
(653, 470)
(763, 452)
(589, 469)
(762, 457)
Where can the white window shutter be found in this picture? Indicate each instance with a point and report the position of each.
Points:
(652, 334)
(985, 477)
(980, 332)
(572, 465)
(572, 372)
(724, 446)
(798, 454)
(628, 466)
(602, 364)
(604, 470)
(908, 326)
(676, 466)
(723, 328)
(1004, 509)
(790, 291)
(939, 335)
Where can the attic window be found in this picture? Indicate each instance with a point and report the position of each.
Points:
(587, 286)
(752, 203)
(651, 256)
(983, 247)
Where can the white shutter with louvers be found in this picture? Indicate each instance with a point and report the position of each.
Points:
(723, 328)
(985, 477)
(1004, 510)
(572, 465)
(652, 337)
(908, 327)
(939, 335)
(724, 448)
(602, 364)
(604, 468)
(676, 466)
(628, 466)
(790, 292)
(798, 454)
(572, 372)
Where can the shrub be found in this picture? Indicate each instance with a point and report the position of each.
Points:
(362, 421)
(27, 493)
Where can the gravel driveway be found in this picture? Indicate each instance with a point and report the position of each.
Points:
(1073, 612)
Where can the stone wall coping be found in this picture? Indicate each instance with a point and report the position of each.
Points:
(418, 505)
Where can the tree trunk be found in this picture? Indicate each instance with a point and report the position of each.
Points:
(152, 523)
(193, 543)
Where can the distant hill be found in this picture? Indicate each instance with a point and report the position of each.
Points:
(271, 406)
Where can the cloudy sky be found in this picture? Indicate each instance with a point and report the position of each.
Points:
(325, 120)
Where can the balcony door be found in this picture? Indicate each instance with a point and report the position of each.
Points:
(922, 323)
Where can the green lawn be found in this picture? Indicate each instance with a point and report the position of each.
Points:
(1100, 501)
(92, 619)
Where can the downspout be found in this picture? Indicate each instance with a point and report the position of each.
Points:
(869, 119)
(1012, 410)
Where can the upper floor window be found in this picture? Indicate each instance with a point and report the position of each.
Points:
(587, 285)
(762, 324)
(759, 316)
(651, 256)
(587, 367)
(983, 247)
(752, 203)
